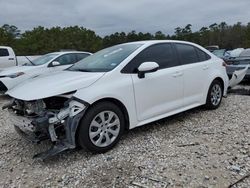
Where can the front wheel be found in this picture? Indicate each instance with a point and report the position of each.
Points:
(101, 127)
(214, 96)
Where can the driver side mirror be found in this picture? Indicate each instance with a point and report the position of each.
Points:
(147, 67)
(54, 64)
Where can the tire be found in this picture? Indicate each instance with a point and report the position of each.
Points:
(214, 96)
(93, 132)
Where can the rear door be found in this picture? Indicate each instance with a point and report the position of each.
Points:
(6, 58)
(159, 92)
(196, 67)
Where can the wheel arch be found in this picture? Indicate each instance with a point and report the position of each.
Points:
(207, 89)
(221, 81)
(119, 104)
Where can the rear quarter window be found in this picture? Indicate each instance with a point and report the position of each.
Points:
(187, 53)
(202, 55)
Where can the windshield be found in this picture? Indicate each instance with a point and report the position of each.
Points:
(44, 59)
(106, 59)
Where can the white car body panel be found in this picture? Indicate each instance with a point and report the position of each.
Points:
(237, 77)
(63, 82)
(153, 96)
(158, 95)
(31, 71)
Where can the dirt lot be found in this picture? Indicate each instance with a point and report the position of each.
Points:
(197, 148)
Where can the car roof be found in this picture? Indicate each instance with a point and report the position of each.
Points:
(68, 52)
(161, 41)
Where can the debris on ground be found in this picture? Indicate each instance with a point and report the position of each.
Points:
(197, 148)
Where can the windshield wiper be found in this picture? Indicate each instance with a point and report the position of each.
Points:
(29, 60)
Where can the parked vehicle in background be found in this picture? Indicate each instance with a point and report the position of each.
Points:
(118, 88)
(212, 48)
(236, 52)
(7, 57)
(245, 53)
(222, 53)
(49, 63)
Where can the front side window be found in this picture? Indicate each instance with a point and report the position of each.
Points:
(4, 52)
(44, 59)
(106, 59)
(162, 54)
(66, 59)
(187, 53)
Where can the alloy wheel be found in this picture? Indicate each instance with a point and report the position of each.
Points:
(216, 95)
(104, 128)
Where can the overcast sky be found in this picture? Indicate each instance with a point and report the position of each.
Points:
(109, 16)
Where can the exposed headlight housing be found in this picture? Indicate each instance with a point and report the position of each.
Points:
(75, 108)
(72, 110)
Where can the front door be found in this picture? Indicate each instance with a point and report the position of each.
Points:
(159, 92)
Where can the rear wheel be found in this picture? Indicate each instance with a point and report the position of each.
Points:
(214, 96)
(101, 127)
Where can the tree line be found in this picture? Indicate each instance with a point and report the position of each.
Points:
(41, 40)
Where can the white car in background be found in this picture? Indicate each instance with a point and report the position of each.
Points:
(118, 88)
(12, 76)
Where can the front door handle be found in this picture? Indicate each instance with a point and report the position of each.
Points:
(177, 74)
(11, 58)
(205, 67)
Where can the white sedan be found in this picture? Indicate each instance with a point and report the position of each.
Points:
(10, 77)
(118, 88)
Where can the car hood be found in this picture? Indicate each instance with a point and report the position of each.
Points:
(12, 70)
(51, 85)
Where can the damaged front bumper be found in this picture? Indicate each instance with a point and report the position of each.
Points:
(57, 126)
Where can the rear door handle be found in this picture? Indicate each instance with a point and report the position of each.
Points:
(177, 74)
(205, 67)
(11, 58)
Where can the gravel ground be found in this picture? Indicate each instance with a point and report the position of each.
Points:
(197, 148)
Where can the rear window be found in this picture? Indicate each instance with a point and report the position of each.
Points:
(4, 52)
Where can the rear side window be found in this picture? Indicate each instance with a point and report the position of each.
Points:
(187, 54)
(202, 55)
(163, 54)
(4, 52)
(81, 56)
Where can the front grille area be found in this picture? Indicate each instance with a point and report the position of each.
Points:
(3, 88)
